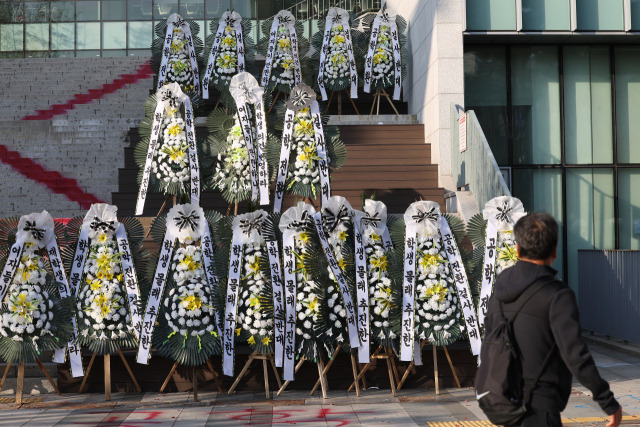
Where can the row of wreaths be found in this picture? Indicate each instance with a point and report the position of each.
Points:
(301, 283)
(343, 54)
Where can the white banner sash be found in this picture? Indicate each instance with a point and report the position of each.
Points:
(352, 325)
(488, 272)
(343, 15)
(462, 285)
(130, 278)
(151, 153)
(209, 268)
(291, 292)
(283, 165)
(186, 28)
(362, 294)
(79, 259)
(407, 333)
(263, 167)
(278, 300)
(231, 305)
(194, 165)
(155, 296)
(273, 38)
(237, 27)
(321, 148)
(10, 267)
(247, 133)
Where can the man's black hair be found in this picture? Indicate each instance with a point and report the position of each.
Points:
(537, 235)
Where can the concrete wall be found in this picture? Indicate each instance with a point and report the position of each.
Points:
(436, 75)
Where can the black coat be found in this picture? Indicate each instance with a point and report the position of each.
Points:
(551, 315)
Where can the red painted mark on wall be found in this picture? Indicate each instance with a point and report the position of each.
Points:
(53, 180)
(143, 72)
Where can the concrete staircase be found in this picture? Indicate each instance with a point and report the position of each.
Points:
(84, 144)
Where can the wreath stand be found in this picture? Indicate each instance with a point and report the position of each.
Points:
(435, 368)
(284, 96)
(380, 92)
(107, 374)
(340, 101)
(235, 208)
(195, 379)
(20, 379)
(321, 377)
(162, 208)
(386, 354)
(328, 366)
(259, 356)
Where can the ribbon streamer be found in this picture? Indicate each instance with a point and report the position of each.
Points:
(176, 21)
(209, 268)
(10, 267)
(284, 17)
(338, 15)
(278, 300)
(362, 294)
(130, 278)
(170, 96)
(407, 334)
(384, 17)
(283, 165)
(354, 336)
(227, 19)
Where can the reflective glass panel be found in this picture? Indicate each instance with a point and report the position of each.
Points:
(11, 37)
(535, 92)
(140, 9)
(627, 106)
(62, 36)
(36, 36)
(87, 10)
(114, 35)
(140, 34)
(629, 208)
(635, 15)
(88, 35)
(491, 15)
(87, 53)
(601, 15)
(192, 9)
(114, 10)
(215, 8)
(164, 8)
(546, 15)
(36, 11)
(63, 10)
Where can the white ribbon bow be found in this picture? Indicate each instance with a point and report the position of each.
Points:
(386, 15)
(424, 216)
(336, 211)
(301, 96)
(296, 217)
(286, 18)
(337, 15)
(36, 228)
(230, 18)
(186, 222)
(102, 218)
(244, 89)
(249, 227)
(373, 216)
(171, 96)
(177, 21)
(503, 212)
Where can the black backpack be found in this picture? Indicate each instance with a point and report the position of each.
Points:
(499, 382)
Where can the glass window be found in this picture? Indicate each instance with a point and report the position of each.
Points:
(140, 34)
(546, 15)
(163, 8)
(87, 11)
(627, 61)
(491, 15)
(216, 8)
(63, 53)
(36, 11)
(139, 52)
(635, 15)
(591, 219)
(36, 36)
(535, 92)
(62, 36)
(541, 190)
(88, 36)
(629, 207)
(114, 53)
(247, 8)
(485, 83)
(587, 105)
(62, 10)
(114, 10)
(596, 15)
(11, 37)
(114, 35)
(192, 9)
(87, 53)
(11, 12)
(139, 9)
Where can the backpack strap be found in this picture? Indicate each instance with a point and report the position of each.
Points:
(535, 291)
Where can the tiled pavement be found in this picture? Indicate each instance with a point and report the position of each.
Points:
(453, 407)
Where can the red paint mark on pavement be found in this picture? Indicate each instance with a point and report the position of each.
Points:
(262, 416)
(115, 420)
(143, 72)
(53, 180)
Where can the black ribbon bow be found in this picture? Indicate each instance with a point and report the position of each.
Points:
(249, 225)
(299, 225)
(229, 21)
(371, 220)
(183, 221)
(504, 213)
(286, 19)
(37, 233)
(429, 215)
(337, 19)
(178, 22)
(333, 220)
(168, 96)
(105, 226)
(299, 97)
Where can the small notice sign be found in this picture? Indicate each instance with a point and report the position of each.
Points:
(462, 132)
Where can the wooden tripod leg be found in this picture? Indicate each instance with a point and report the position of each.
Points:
(392, 104)
(352, 103)
(86, 375)
(373, 106)
(20, 384)
(166, 381)
(46, 374)
(393, 364)
(107, 377)
(228, 209)
(244, 371)
(195, 384)
(266, 378)
(164, 204)
(391, 381)
(323, 379)
(283, 387)
(126, 365)
(4, 376)
(355, 374)
(274, 102)
(330, 98)
(378, 104)
(435, 370)
(406, 374)
(324, 371)
(275, 371)
(235, 208)
(215, 376)
(364, 370)
(455, 376)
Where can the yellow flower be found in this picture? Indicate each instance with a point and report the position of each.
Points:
(266, 340)
(95, 285)
(174, 130)
(313, 305)
(238, 331)
(304, 111)
(337, 39)
(508, 253)
(342, 235)
(430, 260)
(175, 153)
(102, 237)
(176, 45)
(192, 302)
(437, 290)
(342, 264)
(284, 43)
(229, 41)
(338, 58)
(380, 56)
(379, 262)
(251, 340)
(120, 277)
(375, 237)
(188, 262)
(22, 306)
(304, 127)
(304, 238)
(287, 63)
(255, 267)
(254, 302)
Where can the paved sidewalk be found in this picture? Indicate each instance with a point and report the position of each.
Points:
(415, 407)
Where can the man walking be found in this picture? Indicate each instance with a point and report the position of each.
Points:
(549, 316)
